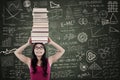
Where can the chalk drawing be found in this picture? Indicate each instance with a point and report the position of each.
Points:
(86, 74)
(80, 55)
(93, 43)
(7, 42)
(112, 6)
(82, 37)
(11, 12)
(103, 14)
(27, 5)
(112, 29)
(54, 5)
(83, 21)
(83, 66)
(98, 32)
(90, 56)
(113, 19)
(68, 23)
(105, 22)
(104, 52)
(95, 66)
(7, 51)
(97, 73)
(69, 36)
(55, 14)
(69, 14)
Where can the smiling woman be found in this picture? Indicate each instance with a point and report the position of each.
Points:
(39, 65)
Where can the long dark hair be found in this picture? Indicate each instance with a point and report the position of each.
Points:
(43, 59)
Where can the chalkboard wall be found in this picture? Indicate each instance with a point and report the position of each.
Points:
(89, 30)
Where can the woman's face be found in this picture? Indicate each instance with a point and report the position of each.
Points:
(39, 50)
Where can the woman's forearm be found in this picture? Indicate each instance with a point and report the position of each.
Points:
(20, 49)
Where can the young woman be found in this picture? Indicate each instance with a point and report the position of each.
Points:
(39, 65)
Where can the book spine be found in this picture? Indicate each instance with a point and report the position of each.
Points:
(39, 34)
(40, 10)
(40, 41)
(39, 38)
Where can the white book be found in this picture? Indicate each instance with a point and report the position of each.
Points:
(40, 16)
(39, 38)
(41, 29)
(40, 20)
(40, 10)
(39, 34)
(40, 24)
(40, 41)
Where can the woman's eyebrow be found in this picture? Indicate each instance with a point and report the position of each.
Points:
(38, 46)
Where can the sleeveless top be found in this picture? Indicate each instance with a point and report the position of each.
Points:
(39, 73)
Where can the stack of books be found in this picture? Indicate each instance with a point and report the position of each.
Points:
(40, 28)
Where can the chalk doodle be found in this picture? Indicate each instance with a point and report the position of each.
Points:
(11, 12)
(98, 32)
(54, 5)
(82, 37)
(69, 13)
(93, 43)
(27, 5)
(95, 66)
(55, 14)
(83, 21)
(69, 36)
(7, 51)
(112, 29)
(80, 55)
(7, 42)
(83, 66)
(90, 56)
(105, 22)
(68, 23)
(112, 6)
(86, 74)
(104, 52)
(103, 14)
(97, 73)
(113, 19)
(40, 3)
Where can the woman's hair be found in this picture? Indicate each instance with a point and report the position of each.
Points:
(35, 60)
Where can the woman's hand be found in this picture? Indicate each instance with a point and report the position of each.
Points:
(50, 40)
(29, 42)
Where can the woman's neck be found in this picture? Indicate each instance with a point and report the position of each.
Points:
(39, 61)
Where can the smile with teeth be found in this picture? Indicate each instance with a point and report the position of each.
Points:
(39, 52)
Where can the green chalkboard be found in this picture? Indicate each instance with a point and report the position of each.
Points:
(88, 30)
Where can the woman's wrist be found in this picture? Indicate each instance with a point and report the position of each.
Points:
(27, 44)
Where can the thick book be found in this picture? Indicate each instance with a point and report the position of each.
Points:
(40, 20)
(39, 38)
(40, 24)
(40, 15)
(40, 10)
(40, 41)
(40, 29)
(37, 34)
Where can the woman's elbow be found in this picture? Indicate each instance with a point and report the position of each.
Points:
(63, 51)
